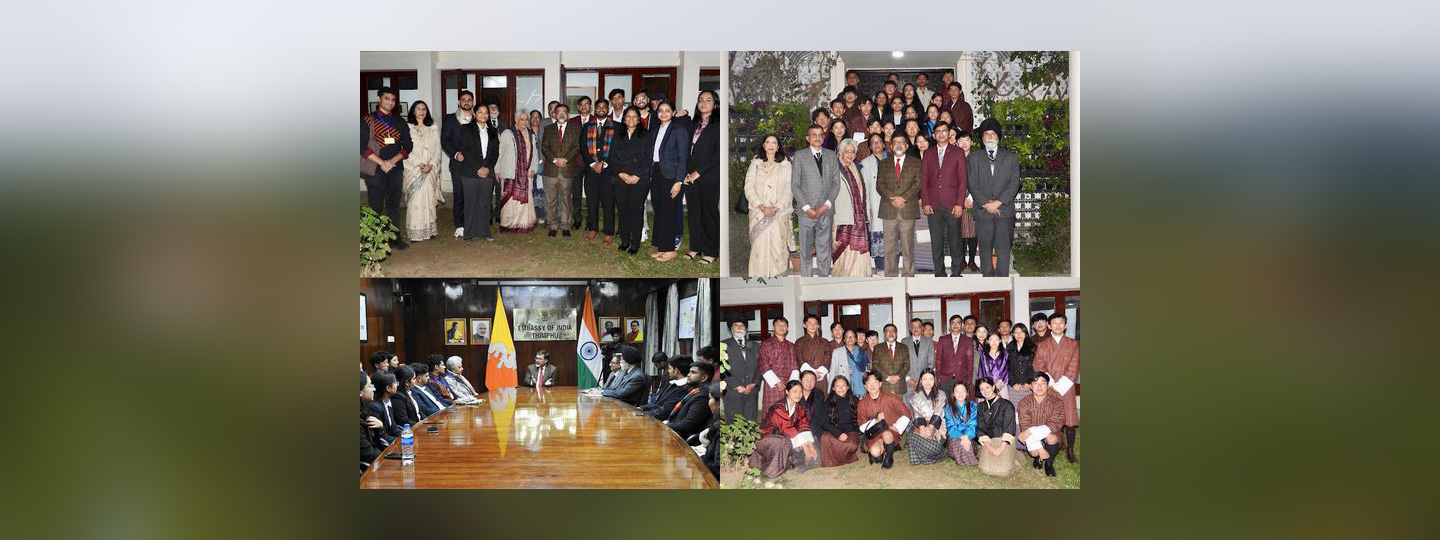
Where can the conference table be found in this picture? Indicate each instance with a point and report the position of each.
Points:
(561, 438)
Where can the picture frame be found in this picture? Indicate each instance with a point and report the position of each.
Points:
(404, 108)
(634, 329)
(454, 331)
(479, 331)
(605, 324)
(374, 106)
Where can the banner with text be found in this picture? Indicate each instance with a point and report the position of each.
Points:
(544, 324)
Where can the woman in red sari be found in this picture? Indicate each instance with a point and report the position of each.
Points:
(785, 428)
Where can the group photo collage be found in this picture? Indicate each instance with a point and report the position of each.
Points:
(557, 291)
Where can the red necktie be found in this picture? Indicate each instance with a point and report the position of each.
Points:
(897, 168)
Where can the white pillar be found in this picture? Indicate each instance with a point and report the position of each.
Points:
(791, 304)
(965, 75)
(1019, 301)
(553, 90)
(837, 79)
(689, 84)
(899, 303)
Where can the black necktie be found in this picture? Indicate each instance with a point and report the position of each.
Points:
(817, 164)
(992, 155)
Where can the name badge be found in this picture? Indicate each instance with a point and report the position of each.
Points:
(389, 140)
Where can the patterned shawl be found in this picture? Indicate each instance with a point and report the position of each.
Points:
(518, 188)
(856, 236)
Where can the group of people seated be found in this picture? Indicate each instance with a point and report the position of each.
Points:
(395, 395)
(871, 168)
(979, 398)
(616, 155)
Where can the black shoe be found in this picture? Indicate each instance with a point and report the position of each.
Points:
(400, 244)
(633, 250)
(624, 247)
(566, 233)
(873, 459)
(467, 240)
(888, 460)
(1035, 461)
(552, 233)
(575, 226)
(1050, 466)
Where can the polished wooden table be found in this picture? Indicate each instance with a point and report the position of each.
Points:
(561, 439)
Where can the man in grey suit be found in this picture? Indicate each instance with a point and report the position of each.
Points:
(994, 179)
(815, 181)
(742, 396)
(631, 385)
(922, 352)
(540, 370)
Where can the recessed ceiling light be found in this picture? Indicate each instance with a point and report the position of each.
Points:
(897, 54)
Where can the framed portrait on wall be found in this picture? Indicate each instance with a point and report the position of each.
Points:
(634, 329)
(404, 108)
(479, 331)
(455, 331)
(364, 328)
(606, 323)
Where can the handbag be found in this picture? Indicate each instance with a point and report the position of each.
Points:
(742, 205)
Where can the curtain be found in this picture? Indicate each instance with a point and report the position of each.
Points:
(672, 319)
(650, 326)
(704, 323)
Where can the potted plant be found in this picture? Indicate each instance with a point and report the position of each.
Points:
(376, 233)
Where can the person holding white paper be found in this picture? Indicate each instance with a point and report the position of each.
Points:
(927, 402)
(1059, 355)
(1040, 416)
(812, 348)
(777, 360)
(785, 429)
(882, 416)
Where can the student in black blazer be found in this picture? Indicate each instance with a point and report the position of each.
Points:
(450, 144)
(370, 446)
(670, 391)
(403, 404)
(702, 197)
(693, 412)
(630, 158)
(481, 145)
(669, 153)
(385, 405)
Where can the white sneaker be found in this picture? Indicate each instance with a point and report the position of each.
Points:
(459, 231)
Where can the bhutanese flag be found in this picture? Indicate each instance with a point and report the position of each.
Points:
(587, 348)
(500, 365)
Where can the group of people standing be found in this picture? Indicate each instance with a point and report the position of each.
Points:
(871, 168)
(616, 156)
(975, 396)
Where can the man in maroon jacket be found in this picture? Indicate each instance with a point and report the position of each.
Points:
(942, 199)
(777, 355)
(954, 356)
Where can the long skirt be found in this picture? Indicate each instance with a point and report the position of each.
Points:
(769, 244)
(925, 450)
(771, 456)
(422, 195)
(1001, 465)
(960, 455)
(516, 216)
(852, 263)
(835, 452)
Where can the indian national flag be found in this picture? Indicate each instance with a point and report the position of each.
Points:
(500, 363)
(587, 348)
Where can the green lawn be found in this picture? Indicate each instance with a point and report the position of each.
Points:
(532, 254)
(945, 475)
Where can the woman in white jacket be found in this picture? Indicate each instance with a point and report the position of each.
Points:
(516, 166)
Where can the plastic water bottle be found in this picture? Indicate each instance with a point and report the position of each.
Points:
(407, 446)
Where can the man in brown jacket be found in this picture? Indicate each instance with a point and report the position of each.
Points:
(898, 184)
(560, 145)
(892, 361)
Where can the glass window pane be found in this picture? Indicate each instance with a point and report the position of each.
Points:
(494, 81)
(408, 82)
(991, 311)
(850, 310)
(1042, 304)
(373, 83)
(880, 315)
(657, 86)
(1072, 315)
(529, 93)
(710, 83)
(953, 307)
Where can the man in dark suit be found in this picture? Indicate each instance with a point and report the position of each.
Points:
(954, 356)
(541, 370)
(815, 182)
(743, 354)
(561, 148)
(898, 184)
(578, 122)
(428, 402)
(631, 384)
(692, 413)
(922, 352)
(994, 180)
(670, 393)
(942, 198)
(598, 178)
(450, 143)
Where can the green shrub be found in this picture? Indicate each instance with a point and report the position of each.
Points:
(737, 442)
(376, 233)
(1046, 250)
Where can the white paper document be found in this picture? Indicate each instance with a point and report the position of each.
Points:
(771, 379)
(1063, 385)
(901, 424)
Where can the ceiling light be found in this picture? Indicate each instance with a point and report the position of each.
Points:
(897, 54)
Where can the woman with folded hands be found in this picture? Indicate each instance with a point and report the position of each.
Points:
(785, 439)
(927, 437)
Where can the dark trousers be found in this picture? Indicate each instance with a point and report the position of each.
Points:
(478, 212)
(609, 200)
(495, 198)
(632, 210)
(590, 184)
(663, 236)
(702, 199)
(680, 213)
(945, 235)
(457, 199)
(383, 190)
(994, 234)
(967, 247)
(576, 191)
